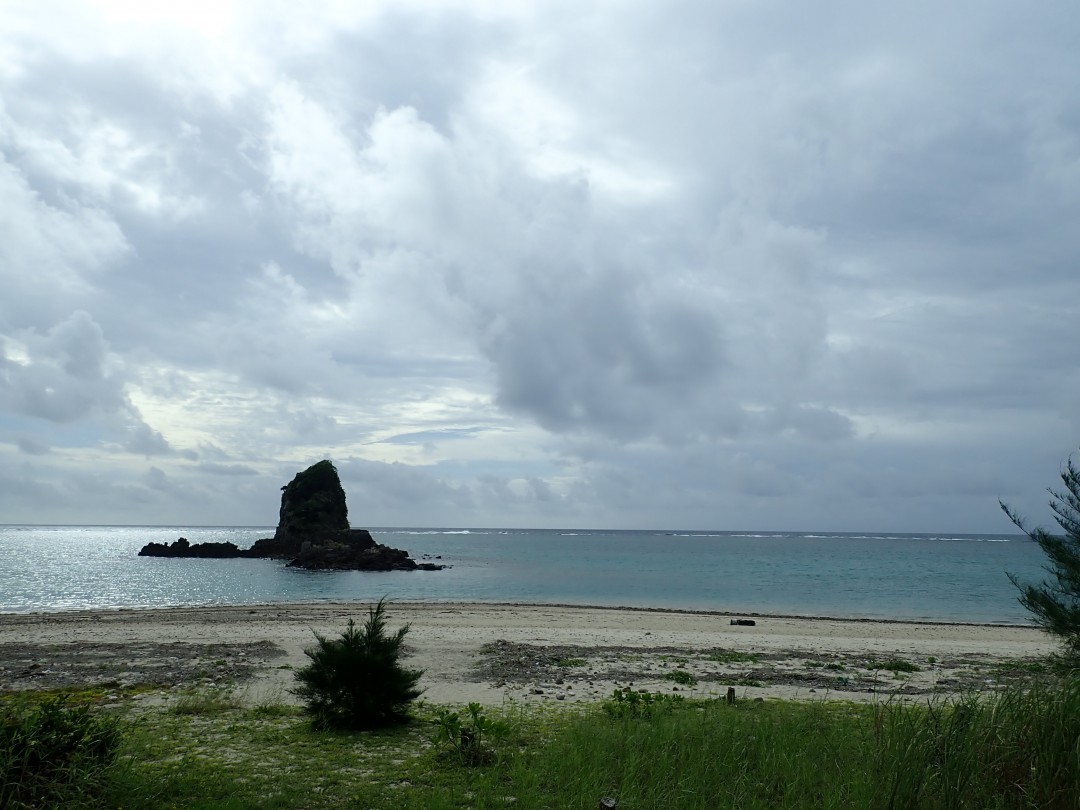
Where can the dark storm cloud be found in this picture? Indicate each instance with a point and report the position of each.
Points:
(601, 354)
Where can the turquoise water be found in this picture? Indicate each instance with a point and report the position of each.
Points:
(884, 576)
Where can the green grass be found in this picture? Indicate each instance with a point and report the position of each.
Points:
(571, 662)
(206, 702)
(835, 666)
(55, 751)
(1016, 749)
(680, 676)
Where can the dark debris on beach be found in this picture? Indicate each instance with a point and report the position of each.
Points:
(505, 662)
(90, 664)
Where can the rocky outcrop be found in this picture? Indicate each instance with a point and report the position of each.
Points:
(313, 532)
(313, 503)
(313, 510)
(182, 548)
(355, 550)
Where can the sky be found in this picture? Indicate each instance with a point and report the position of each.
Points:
(666, 265)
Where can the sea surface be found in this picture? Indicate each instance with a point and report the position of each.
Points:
(880, 576)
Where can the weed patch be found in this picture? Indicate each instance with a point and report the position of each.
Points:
(626, 703)
(54, 753)
(680, 676)
(894, 665)
(571, 662)
(207, 702)
(470, 742)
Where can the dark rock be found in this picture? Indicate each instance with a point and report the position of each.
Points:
(288, 546)
(313, 501)
(182, 548)
(744, 622)
(313, 509)
(313, 530)
(313, 533)
(354, 550)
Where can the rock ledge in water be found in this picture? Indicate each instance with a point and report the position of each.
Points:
(183, 548)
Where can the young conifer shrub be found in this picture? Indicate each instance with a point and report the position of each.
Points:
(356, 681)
(1055, 603)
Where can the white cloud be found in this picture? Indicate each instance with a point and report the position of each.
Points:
(51, 255)
(702, 264)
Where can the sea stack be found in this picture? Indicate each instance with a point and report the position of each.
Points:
(312, 532)
(313, 510)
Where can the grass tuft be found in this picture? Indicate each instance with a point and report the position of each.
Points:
(894, 665)
(680, 676)
(205, 703)
(54, 753)
(571, 662)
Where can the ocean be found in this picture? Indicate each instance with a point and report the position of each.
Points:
(948, 577)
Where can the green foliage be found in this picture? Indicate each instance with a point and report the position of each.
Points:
(894, 665)
(470, 742)
(313, 500)
(207, 702)
(680, 676)
(1017, 749)
(53, 754)
(627, 703)
(1055, 603)
(571, 662)
(355, 681)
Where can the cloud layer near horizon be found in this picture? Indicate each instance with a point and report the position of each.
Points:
(681, 265)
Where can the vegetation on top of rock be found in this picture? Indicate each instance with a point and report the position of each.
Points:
(314, 501)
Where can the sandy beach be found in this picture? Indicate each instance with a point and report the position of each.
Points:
(502, 653)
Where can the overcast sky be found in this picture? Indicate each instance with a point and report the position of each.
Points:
(687, 264)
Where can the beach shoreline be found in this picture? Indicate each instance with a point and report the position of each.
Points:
(496, 653)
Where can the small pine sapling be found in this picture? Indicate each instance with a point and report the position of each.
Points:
(356, 682)
(1055, 603)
